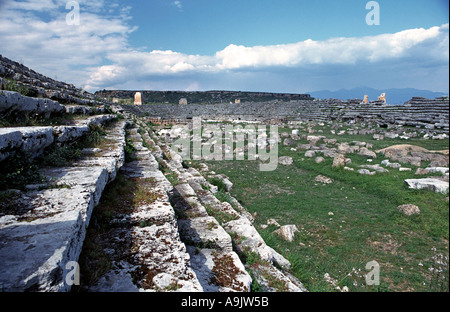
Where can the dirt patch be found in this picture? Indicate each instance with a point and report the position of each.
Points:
(274, 189)
(387, 244)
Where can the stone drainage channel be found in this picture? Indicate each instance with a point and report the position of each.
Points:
(183, 238)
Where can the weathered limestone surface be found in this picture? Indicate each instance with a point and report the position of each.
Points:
(205, 232)
(145, 248)
(434, 185)
(81, 127)
(209, 264)
(15, 103)
(253, 240)
(42, 231)
(32, 140)
(34, 254)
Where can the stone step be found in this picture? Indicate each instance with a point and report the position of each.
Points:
(47, 231)
(34, 140)
(216, 265)
(219, 271)
(206, 236)
(31, 140)
(17, 104)
(42, 230)
(144, 247)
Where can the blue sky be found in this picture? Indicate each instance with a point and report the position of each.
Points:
(255, 45)
(207, 26)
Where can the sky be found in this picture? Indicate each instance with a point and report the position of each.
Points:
(292, 46)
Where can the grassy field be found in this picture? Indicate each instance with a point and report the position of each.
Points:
(350, 222)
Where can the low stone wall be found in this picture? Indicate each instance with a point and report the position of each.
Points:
(419, 112)
(33, 140)
(38, 85)
(13, 103)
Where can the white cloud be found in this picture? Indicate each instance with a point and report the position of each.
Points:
(49, 45)
(178, 4)
(424, 45)
(334, 51)
(97, 54)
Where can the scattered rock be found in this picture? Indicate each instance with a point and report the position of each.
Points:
(273, 221)
(443, 170)
(339, 161)
(285, 160)
(319, 159)
(313, 139)
(376, 167)
(304, 146)
(422, 171)
(378, 137)
(434, 185)
(409, 209)
(323, 179)
(364, 151)
(366, 172)
(287, 232)
(330, 141)
(288, 142)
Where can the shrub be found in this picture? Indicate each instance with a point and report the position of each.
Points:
(129, 151)
(59, 156)
(18, 171)
(219, 183)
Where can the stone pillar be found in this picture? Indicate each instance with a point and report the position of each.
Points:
(366, 99)
(138, 98)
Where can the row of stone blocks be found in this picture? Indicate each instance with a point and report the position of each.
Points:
(173, 243)
(210, 242)
(14, 103)
(34, 140)
(42, 85)
(427, 113)
(43, 229)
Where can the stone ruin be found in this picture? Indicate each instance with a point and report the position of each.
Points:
(366, 99)
(176, 241)
(382, 98)
(138, 98)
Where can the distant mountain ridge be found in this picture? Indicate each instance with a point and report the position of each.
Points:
(393, 96)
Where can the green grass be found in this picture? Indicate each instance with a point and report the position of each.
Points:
(365, 224)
